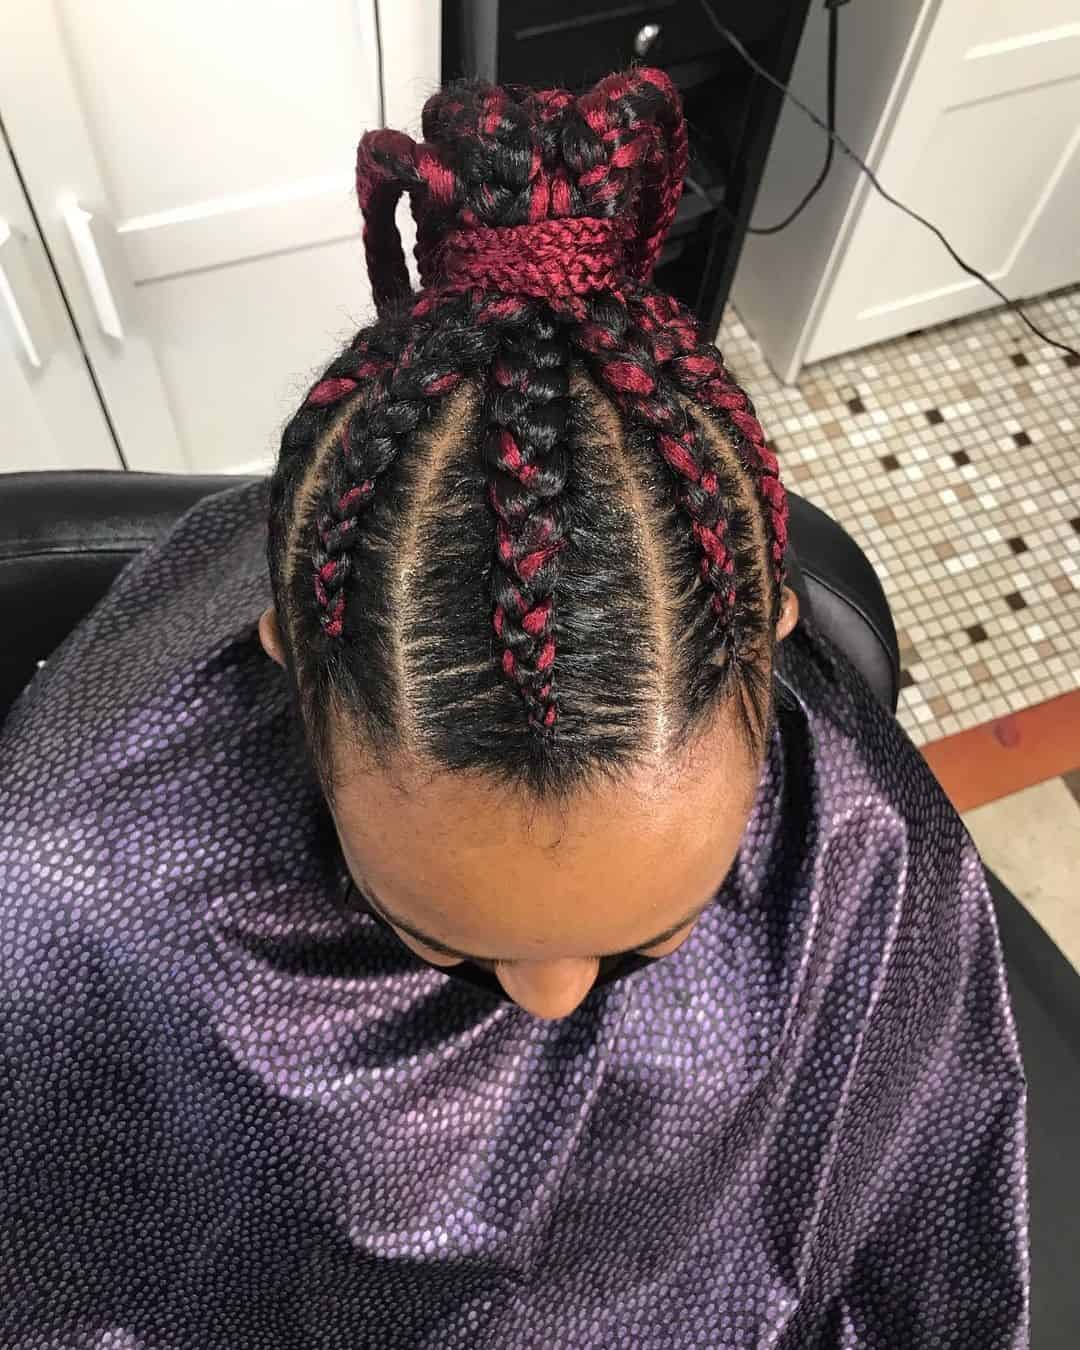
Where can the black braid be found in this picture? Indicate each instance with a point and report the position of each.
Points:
(524, 439)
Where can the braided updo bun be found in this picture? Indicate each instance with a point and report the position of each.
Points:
(527, 521)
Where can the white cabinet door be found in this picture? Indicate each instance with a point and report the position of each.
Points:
(52, 416)
(211, 143)
(986, 145)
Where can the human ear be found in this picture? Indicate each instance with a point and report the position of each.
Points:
(270, 636)
(789, 613)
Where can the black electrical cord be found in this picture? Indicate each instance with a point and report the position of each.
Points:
(833, 7)
(737, 46)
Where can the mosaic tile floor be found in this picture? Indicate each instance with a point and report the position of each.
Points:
(953, 457)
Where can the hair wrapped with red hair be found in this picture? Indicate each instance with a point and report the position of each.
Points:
(540, 217)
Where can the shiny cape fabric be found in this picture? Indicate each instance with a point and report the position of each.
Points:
(236, 1113)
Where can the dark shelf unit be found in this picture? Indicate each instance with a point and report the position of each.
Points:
(731, 112)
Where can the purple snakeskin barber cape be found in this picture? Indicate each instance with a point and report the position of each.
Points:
(237, 1114)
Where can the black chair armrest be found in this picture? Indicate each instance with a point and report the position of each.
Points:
(846, 599)
(64, 537)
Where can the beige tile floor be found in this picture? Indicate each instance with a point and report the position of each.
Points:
(953, 457)
(1032, 841)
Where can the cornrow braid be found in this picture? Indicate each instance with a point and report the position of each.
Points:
(525, 445)
(703, 374)
(697, 369)
(369, 354)
(507, 250)
(401, 395)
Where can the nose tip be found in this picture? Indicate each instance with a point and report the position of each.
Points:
(548, 989)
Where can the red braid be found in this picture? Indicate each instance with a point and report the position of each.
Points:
(645, 160)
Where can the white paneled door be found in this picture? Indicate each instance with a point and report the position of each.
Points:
(52, 416)
(987, 145)
(191, 162)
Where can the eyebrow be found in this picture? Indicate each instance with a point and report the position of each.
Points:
(446, 950)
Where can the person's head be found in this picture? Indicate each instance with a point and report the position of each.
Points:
(526, 547)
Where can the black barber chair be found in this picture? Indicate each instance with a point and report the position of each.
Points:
(65, 536)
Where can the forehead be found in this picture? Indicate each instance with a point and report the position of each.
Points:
(486, 867)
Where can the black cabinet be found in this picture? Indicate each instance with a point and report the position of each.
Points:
(730, 111)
